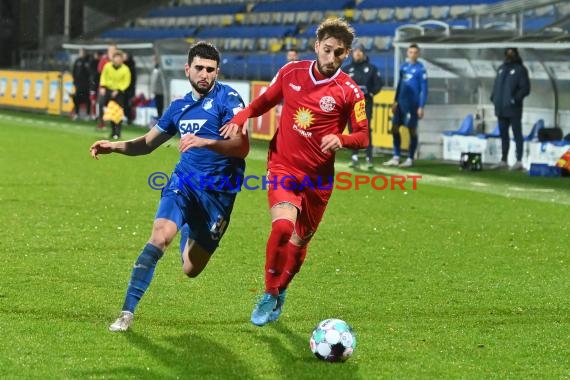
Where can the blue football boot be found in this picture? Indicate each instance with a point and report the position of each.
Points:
(263, 309)
(279, 306)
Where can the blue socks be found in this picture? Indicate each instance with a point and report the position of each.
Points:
(141, 276)
(413, 146)
(397, 142)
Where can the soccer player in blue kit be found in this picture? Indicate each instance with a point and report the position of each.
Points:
(409, 103)
(201, 209)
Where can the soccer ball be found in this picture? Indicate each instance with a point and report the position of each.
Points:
(333, 340)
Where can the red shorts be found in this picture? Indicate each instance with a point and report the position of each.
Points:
(311, 201)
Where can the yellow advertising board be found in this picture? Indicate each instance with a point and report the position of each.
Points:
(68, 90)
(25, 89)
(49, 91)
(262, 127)
(54, 93)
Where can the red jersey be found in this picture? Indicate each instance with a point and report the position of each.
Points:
(312, 109)
(102, 62)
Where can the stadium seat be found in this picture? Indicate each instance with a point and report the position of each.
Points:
(385, 14)
(440, 12)
(186, 11)
(458, 10)
(403, 13)
(465, 129)
(420, 13)
(534, 131)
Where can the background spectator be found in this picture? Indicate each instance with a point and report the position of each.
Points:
(367, 76)
(81, 82)
(157, 86)
(511, 86)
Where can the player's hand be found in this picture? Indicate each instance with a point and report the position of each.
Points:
(191, 141)
(101, 147)
(102, 91)
(231, 129)
(331, 143)
(394, 107)
(420, 113)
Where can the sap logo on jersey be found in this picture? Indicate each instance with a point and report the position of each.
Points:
(190, 126)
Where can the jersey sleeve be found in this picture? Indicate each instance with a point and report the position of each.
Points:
(423, 88)
(359, 138)
(232, 104)
(165, 124)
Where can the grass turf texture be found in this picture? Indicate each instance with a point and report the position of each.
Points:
(466, 277)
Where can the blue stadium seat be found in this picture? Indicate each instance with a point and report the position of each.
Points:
(534, 131)
(377, 29)
(303, 5)
(186, 11)
(368, 4)
(465, 129)
(148, 33)
(257, 31)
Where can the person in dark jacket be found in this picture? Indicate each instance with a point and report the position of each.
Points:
(511, 86)
(131, 91)
(94, 82)
(81, 82)
(368, 78)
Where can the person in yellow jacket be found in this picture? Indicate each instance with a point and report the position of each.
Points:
(115, 78)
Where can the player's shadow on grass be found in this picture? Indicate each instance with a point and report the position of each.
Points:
(179, 357)
(296, 357)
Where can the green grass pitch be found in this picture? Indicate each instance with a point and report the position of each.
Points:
(466, 277)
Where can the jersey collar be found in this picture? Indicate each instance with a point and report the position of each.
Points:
(326, 80)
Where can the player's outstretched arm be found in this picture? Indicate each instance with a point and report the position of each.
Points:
(100, 147)
(135, 147)
(237, 145)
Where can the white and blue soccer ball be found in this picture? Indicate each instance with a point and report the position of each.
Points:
(333, 340)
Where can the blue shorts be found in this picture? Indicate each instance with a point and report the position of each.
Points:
(205, 215)
(407, 117)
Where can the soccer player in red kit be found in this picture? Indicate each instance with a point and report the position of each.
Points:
(318, 101)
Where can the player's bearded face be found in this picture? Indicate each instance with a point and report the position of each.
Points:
(202, 74)
(330, 55)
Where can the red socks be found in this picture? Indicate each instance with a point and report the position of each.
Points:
(295, 258)
(276, 254)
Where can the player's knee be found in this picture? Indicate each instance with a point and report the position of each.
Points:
(161, 237)
(283, 228)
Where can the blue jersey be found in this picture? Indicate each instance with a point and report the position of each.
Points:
(204, 117)
(412, 86)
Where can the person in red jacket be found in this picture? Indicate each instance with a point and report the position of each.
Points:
(319, 99)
